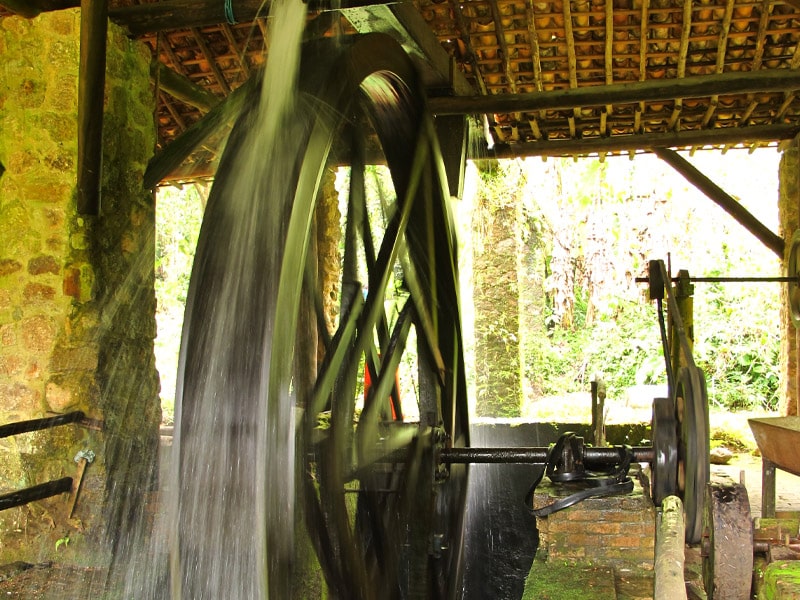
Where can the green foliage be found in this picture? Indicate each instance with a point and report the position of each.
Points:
(611, 218)
(179, 213)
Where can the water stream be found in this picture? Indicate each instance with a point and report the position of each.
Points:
(227, 527)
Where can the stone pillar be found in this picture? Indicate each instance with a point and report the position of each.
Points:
(496, 242)
(77, 303)
(789, 219)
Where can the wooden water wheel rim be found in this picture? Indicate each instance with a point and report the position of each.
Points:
(382, 527)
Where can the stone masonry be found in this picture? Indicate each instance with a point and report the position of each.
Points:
(77, 307)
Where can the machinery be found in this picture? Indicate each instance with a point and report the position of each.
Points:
(380, 482)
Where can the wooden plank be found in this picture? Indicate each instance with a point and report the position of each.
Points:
(418, 30)
(629, 93)
(501, 41)
(463, 32)
(91, 85)
(765, 235)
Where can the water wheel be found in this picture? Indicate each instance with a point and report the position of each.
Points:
(277, 432)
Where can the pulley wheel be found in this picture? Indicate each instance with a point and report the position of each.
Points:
(665, 448)
(691, 403)
(727, 543)
(793, 270)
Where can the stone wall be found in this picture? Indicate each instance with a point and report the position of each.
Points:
(789, 219)
(77, 307)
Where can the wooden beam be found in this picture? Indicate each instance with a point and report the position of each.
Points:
(91, 85)
(623, 93)
(670, 549)
(141, 19)
(33, 8)
(767, 237)
(646, 142)
(181, 87)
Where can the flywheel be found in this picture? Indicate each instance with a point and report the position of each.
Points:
(694, 467)
(313, 413)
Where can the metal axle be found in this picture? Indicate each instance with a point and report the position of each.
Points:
(538, 456)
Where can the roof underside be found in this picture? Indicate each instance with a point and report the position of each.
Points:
(548, 77)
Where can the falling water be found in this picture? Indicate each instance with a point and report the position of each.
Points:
(230, 516)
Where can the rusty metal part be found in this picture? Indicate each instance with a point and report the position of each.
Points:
(727, 542)
(47, 422)
(36, 492)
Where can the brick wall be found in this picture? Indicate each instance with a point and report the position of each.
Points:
(77, 308)
(616, 531)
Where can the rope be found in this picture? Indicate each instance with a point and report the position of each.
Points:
(229, 12)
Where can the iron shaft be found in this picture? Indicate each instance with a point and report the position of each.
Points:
(538, 456)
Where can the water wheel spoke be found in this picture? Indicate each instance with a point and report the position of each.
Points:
(376, 404)
(337, 352)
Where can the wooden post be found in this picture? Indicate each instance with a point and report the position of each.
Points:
(669, 580)
(91, 87)
(767, 488)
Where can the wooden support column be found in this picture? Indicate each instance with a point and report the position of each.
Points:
(767, 237)
(91, 86)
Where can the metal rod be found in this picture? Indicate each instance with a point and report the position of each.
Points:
(39, 424)
(36, 492)
(592, 456)
(795, 279)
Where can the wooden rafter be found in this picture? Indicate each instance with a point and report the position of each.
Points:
(501, 41)
(212, 61)
(722, 47)
(683, 52)
(536, 60)
(463, 30)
